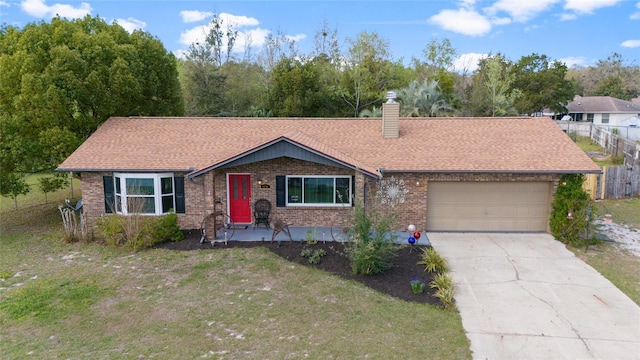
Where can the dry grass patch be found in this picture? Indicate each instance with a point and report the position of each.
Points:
(617, 265)
(231, 303)
(624, 211)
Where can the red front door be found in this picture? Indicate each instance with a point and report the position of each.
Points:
(239, 197)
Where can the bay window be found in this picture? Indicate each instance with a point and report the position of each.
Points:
(152, 194)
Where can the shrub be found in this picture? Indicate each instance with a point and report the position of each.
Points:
(311, 239)
(417, 285)
(617, 159)
(371, 246)
(571, 214)
(166, 228)
(444, 289)
(139, 232)
(432, 261)
(305, 253)
(112, 229)
(314, 256)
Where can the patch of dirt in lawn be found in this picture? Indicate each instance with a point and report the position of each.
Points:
(394, 282)
(627, 237)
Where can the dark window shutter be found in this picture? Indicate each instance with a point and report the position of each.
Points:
(353, 191)
(109, 195)
(281, 191)
(179, 194)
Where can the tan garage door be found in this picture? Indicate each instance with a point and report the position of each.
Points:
(488, 206)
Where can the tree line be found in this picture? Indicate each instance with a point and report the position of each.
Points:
(60, 80)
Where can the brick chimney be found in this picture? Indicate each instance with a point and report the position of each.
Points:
(390, 116)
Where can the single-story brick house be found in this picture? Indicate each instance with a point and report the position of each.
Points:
(458, 174)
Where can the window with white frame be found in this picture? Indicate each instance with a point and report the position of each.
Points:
(318, 190)
(590, 117)
(605, 118)
(151, 194)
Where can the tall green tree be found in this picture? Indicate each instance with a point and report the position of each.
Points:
(492, 93)
(437, 65)
(203, 81)
(245, 87)
(60, 80)
(543, 84)
(612, 86)
(613, 75)
(366, 71)
(296, 90)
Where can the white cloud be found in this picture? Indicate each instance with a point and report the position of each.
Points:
(466, 22)
(238, 21)
(573, 61)
(39, 9)
(296, 38)
(198, 33)
(520, 11)
(568, 17)
(251, 37)
(588, 6)
(4, 3)
(467, 4)
(189, 16)
(248, 34)
(636, 15)
(131, 24)
(501, 21)
(531, 28)
(468, 62)
(631, 43)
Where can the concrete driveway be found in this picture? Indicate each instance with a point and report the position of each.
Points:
(525, 296)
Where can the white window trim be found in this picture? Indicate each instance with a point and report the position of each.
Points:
(157, 191)
(334, 177)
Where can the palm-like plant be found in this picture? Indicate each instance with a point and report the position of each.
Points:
(423, 99)
(374, 112)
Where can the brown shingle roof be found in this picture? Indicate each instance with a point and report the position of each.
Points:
(504, 145)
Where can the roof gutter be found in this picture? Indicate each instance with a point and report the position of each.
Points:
(122, 170)
(538, 172)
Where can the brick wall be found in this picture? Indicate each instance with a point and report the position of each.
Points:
(414, 209)
(267, 172)
(93, 199)
(202, 191)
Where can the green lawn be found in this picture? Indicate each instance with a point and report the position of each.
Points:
(586, 144)
(619, 266)
(623, 211)
(91, 301)
(36, 197)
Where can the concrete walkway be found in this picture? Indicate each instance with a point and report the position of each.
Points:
(525, 296)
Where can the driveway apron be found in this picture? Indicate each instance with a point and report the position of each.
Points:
(525, 296)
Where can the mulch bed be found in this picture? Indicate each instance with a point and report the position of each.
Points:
(394, 282)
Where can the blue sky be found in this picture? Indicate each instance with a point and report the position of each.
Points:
(577, 32)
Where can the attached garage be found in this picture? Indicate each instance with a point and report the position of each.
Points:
(488, 206)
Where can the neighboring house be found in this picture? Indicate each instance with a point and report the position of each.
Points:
(604, 110)
(441, 174)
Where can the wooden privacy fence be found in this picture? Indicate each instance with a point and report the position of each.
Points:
(615, 182)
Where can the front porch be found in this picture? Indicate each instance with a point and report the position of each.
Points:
(303, 233)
